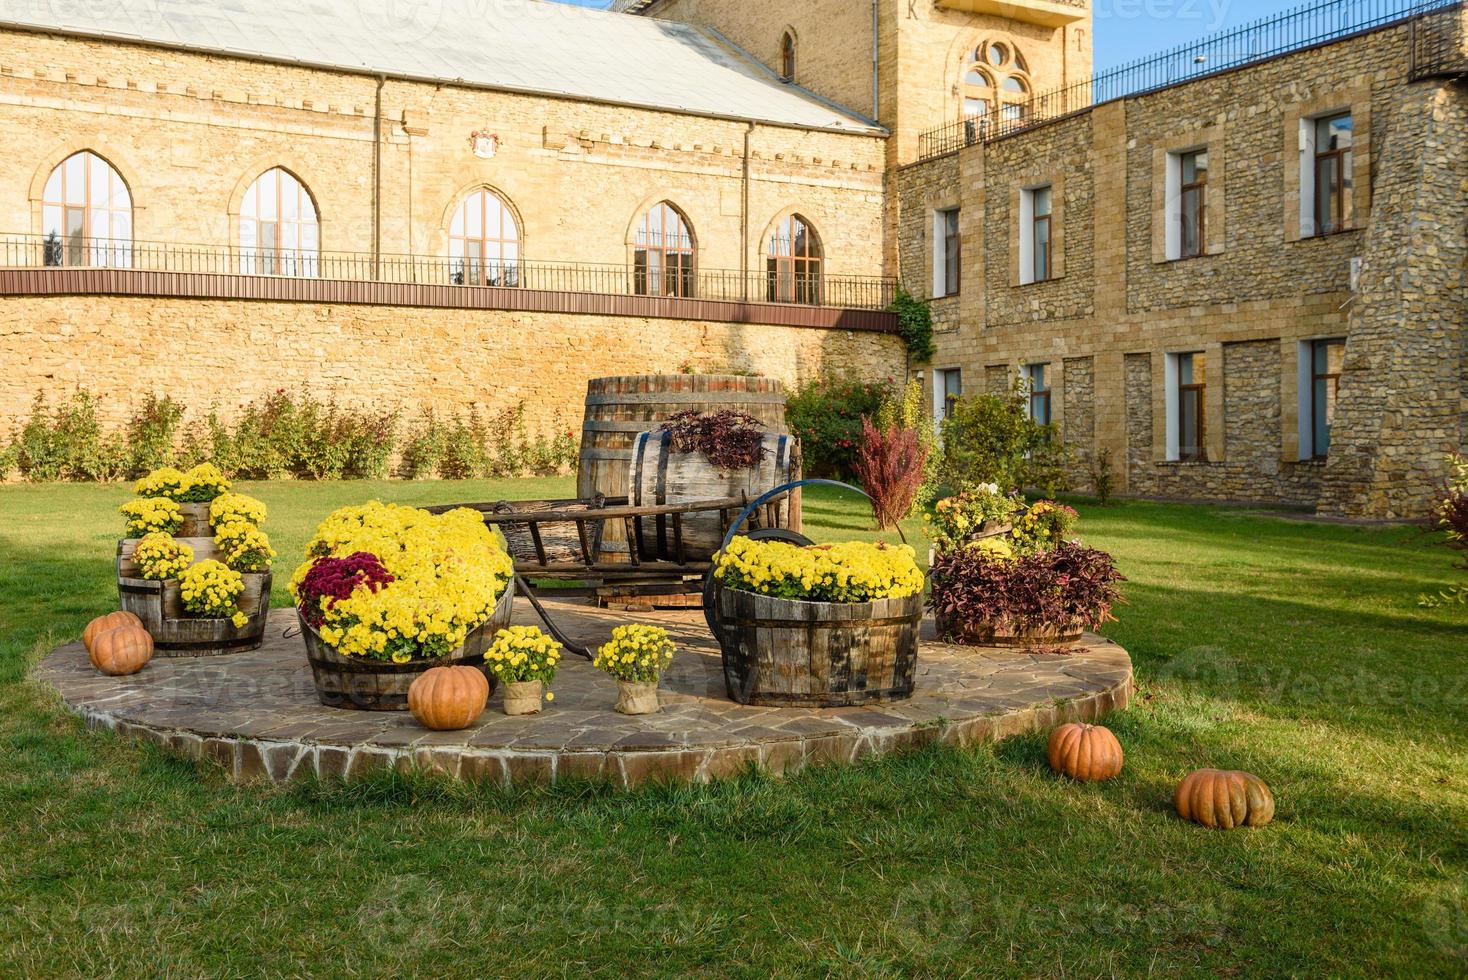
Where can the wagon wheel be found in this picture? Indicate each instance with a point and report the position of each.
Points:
(710, 613)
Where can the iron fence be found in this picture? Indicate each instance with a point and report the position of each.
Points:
(1293, 30)
(776, 285)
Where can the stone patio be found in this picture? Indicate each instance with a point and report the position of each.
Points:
(257, 715)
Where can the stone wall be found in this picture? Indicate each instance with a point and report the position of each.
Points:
(1118, 305)
(190, 132)
(226, 353)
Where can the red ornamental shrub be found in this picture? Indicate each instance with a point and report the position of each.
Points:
(977, 593)
(338, 578)
(890, 467)
(729, 440)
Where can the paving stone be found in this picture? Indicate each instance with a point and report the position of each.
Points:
(257, 714)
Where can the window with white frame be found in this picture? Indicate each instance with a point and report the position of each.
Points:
(1187, 385)
(1327, 178)
(1320, 372)
(1035, 234)
(947, 389)
(1186, 196)
(947, 248)
(1037, 387)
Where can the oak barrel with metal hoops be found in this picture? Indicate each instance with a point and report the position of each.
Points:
(662, 476)
(618, 409)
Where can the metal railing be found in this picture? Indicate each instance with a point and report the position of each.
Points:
(1301, 27)
(1440, 43)
(781, 286)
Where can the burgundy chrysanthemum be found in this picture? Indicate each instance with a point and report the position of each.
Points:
(337, 578)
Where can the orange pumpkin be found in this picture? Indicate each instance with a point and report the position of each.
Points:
(446, 699)
(1089, 753)
(108, 622)
(121, 651)
(1224, 800)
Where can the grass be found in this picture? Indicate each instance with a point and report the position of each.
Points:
(1293, 649)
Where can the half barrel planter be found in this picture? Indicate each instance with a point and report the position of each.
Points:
(989, 635)
(360, 684)
(195, 521)
(175, 632)
(786, 652)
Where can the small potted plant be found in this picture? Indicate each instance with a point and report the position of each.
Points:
(524, 659)
(637, 656)
(1043, 526)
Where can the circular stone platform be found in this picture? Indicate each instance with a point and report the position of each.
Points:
(257, 714)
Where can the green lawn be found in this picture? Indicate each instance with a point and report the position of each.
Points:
(1293, 649)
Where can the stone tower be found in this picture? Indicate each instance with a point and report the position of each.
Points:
(912, 65)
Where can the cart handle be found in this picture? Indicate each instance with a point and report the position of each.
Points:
(787, 488)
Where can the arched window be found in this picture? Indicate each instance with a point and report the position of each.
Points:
(794, 262)
(280, 233)
(87, 213)
(663, 253)
(994, 83)
(787, 57)
(484, 242)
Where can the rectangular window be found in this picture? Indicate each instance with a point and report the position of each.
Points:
(1190, 420)
(1332, 172)
(1040, 197)
(1037, 383)
(1326, 359)
(947, 246)
(947, 389)
(1192, 203)
(951, 255)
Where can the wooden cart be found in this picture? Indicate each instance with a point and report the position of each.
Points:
(557, 546)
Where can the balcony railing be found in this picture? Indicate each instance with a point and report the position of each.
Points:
(780, 286)
(1293, 30)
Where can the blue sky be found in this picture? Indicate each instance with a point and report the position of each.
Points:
(1131, 29)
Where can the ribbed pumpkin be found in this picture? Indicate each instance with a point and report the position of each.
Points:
(1224, 799)
(121, 651)
(1086, 752)
(446, 699)
(102, 624)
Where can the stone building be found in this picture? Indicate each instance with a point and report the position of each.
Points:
(458, 203)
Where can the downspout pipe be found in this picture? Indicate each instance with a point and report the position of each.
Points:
(744, 215)
(876, 65)
(377, 181)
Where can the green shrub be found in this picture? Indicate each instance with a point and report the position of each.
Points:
(914, 325)
(423, 449)
(68, 444)
(464, 455)
(152, 434)
(992, 439)
(826, 414)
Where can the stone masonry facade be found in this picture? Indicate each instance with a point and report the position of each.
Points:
(1117, 310)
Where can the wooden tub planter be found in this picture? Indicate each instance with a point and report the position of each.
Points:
(783, 652)
(195, 522)
(989, 635)
(176, 633)
(361, 684)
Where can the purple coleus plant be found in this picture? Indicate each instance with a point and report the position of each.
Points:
(977, 593)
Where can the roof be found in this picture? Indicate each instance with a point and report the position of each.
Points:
(517, 45)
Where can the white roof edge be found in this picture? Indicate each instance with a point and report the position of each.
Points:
(728, 91)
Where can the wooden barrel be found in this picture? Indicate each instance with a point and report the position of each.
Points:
(203, 549)
(195, 521)
(780, 652)
(662, 476)
(176, 633)
(361, 684)
(618, 409)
